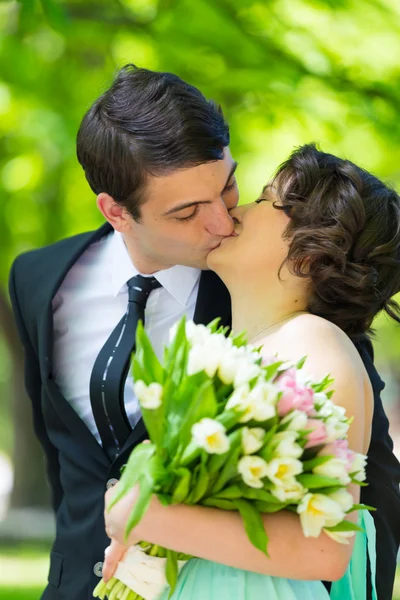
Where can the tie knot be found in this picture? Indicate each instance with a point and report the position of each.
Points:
(140, 288)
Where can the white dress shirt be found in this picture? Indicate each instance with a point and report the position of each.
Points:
(90, 302)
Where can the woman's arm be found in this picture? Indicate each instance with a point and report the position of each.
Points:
(219, 535)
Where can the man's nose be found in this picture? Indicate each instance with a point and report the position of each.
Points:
(220, 222)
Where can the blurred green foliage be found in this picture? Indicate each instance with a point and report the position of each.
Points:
(285, 73)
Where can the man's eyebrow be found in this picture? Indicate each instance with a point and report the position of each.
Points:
(189, 204)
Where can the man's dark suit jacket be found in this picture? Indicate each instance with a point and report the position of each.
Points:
(78, 469)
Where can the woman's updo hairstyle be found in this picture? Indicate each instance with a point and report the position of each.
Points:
(344, 234)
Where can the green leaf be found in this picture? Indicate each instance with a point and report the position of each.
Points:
(217, 461)
(272, 369)
(345, 526)
(233, 491)
(175, 359)
(229, 418)
(204, 404)
(308, 465)
(214, 327)
(141, 504)
(253, 524)
(182, 489)
(152, 369)
(171, 570)
(218, 503)
(155, 425)
(135, 468)
(229, 470)
(189, 454)
(312, 481)
(270, 507)
(300, 363)
(165, 499)
(360, 507)
(239, 339)
(257, 494)
(200, 488)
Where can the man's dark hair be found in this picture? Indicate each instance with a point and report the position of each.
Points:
(344, 234)
(147, 123)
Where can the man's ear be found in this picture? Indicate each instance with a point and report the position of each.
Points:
(115, 213)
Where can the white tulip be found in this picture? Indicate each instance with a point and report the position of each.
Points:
(263, 398)
(358, 467)
(290, 490)
(149, 396)
(320, 398)
(317, 511)
(280, 470)
(210, 435)
(303, 378)
(252, 439)
(197, 334)
(239, 400)
(336, 468)
(296, 420)
(327, 408)
(286, 444)
(228, 367)
(343, 537)
(203, 358)
(246, 371)
(335, 429)
(343, 498)
(252, 469)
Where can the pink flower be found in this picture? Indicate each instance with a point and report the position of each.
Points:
(295, 395)
(340, 449)
(318, 433)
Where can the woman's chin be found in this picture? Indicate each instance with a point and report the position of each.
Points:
(217, 258)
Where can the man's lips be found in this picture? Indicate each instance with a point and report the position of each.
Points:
(233, 234)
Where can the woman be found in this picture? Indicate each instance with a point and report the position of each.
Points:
(308, 267)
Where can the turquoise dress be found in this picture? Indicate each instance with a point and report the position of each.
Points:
(205, 580)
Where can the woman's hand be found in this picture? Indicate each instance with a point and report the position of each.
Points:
(117, 518)
(112, 555)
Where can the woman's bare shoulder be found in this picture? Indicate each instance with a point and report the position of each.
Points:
(327, 347)
(329, 351)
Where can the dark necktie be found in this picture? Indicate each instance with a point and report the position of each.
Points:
(111, 368)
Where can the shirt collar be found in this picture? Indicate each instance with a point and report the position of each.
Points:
(179, 280)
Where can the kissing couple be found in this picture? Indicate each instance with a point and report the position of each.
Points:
(304, 270)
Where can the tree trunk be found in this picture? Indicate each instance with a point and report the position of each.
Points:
(30, 486)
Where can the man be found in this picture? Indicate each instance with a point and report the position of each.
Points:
(155, 152)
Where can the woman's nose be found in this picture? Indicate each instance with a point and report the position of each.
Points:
(236, 213)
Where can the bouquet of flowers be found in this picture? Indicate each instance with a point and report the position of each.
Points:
(232, 430)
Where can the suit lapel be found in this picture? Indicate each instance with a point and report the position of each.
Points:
(213, 300)
(64, 255)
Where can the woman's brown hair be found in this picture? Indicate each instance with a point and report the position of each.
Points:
(344, 234)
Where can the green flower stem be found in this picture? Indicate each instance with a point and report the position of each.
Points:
(154, 550)
(100, 590)
(117, 588)
(110, 584)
